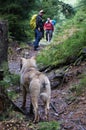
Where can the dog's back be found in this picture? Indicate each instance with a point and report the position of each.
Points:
(40, 83)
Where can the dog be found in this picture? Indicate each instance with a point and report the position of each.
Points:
(37, 84)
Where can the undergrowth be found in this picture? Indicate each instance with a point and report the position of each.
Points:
(81, 87)
(9, 80)
(53, 125)
(66, 43)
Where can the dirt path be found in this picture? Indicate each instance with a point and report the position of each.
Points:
(71, 110)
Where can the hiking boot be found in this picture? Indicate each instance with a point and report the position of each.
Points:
(36, 49)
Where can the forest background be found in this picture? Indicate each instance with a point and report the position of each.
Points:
(18, 14)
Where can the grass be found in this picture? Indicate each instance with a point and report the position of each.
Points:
(81, 87)
(53, 125)
(67, 42)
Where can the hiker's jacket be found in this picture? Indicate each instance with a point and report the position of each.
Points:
(48, 26)
(40, 24)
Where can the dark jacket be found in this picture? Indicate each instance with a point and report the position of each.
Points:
(39, 22)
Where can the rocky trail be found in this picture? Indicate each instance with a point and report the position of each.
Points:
(66, 108)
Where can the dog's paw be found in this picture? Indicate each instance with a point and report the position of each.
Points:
(46, 118)
(36, 120)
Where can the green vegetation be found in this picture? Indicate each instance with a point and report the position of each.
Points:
(81, 87)
(19, 12)
(67, 42)
(17, 15)
(53, 125)
(9, 81)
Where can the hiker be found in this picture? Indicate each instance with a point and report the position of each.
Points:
(49, 28)
(53, 22)
(39, 30)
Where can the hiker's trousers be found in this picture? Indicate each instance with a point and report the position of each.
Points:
(49, 34)
(38, 36)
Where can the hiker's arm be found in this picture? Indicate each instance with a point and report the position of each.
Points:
(37, 22)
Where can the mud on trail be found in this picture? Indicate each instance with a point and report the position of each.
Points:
(66, 108)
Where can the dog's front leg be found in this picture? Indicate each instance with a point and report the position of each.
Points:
(24, 92)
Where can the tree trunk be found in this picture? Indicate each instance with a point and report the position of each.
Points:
(3, 41)
(3, 57)
(4, 102)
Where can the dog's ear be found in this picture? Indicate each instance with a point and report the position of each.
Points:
(22, 59)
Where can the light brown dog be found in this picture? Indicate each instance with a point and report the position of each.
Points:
(37, 84)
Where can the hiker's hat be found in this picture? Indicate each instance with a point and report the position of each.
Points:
(41, 11)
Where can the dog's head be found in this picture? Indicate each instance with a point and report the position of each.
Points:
(31, 62)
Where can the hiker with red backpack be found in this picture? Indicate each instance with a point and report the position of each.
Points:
(39, 30)
(49, 28)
